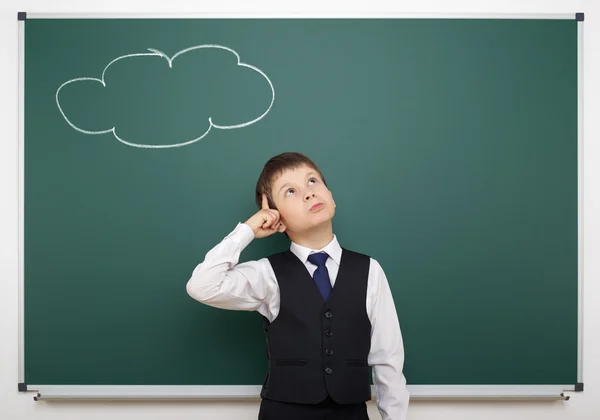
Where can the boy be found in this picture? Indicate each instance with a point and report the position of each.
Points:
(328, 312)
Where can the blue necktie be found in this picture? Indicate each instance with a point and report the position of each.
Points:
(321, 275)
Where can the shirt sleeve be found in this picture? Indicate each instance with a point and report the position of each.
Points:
(387, 350)
(221, 282)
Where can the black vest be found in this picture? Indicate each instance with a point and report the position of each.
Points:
(317, 349)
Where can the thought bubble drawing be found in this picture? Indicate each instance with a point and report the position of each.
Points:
(159, 54)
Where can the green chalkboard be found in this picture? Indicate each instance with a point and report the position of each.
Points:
(450, 146)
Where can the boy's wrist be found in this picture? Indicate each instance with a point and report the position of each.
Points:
(249, 224)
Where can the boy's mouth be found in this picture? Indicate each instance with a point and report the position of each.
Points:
(317, 206)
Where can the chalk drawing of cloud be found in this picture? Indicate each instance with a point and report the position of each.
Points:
(155, 53)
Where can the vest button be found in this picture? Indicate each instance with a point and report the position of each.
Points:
(328, 371)
(328, 332)
(329, 352)
(328, 314)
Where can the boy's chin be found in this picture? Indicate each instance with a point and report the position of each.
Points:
(321, 222)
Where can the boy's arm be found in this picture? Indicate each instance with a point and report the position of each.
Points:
(387, 350)
(221, 282)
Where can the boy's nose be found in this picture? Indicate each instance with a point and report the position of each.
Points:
(309, 195)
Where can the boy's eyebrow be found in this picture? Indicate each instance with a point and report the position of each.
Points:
(283, 186)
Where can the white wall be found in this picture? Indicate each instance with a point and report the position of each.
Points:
(21, 406)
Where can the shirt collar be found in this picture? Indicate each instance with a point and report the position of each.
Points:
(333, 249)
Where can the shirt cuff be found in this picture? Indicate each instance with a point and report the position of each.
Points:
(242, 235)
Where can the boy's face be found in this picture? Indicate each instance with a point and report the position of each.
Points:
(302, 199)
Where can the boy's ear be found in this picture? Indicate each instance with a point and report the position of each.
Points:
(282, 227)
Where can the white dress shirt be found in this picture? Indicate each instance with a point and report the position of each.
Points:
(221, 282)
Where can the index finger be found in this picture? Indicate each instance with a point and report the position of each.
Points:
(265, 202)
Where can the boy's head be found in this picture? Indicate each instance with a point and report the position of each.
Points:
(295, 187)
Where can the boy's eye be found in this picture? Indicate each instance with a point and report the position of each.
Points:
(312, 180)
(289, 191)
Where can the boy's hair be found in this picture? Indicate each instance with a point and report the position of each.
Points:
(275, 167)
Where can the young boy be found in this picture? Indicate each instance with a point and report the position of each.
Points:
(328, 312)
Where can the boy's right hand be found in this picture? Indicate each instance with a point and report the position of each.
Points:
(266, 221)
